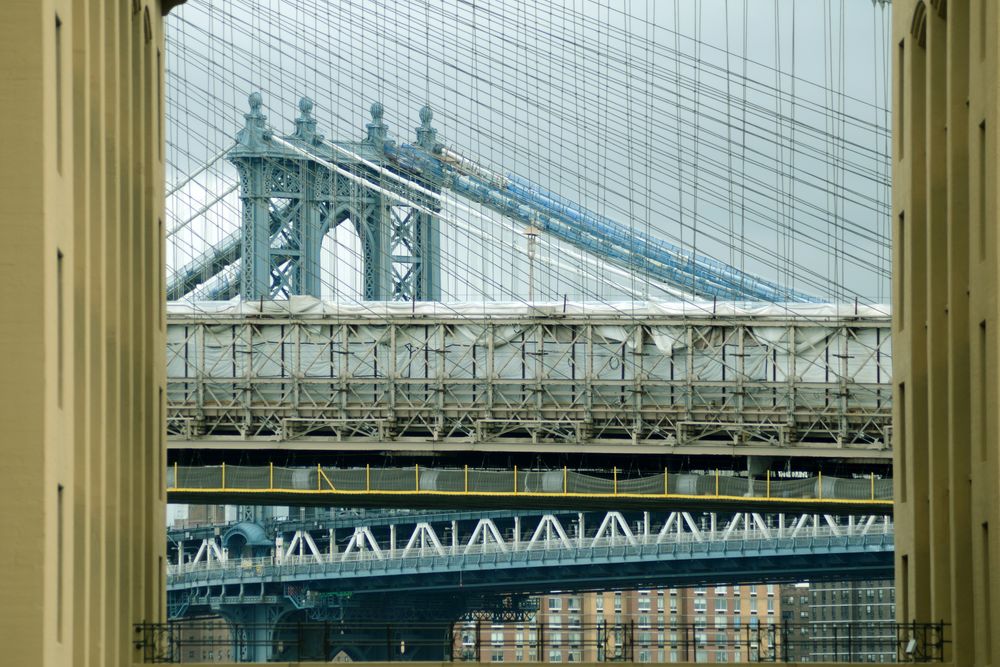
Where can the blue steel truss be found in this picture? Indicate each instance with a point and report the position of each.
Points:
(774, 561)
(518, 553)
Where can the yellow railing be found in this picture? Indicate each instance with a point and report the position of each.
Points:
(526, 484)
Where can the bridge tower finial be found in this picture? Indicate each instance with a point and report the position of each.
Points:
(305, 124)
(378, 131)
(255, 133)
(426, 134)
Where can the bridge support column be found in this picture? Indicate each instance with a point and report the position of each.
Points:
(251, 629)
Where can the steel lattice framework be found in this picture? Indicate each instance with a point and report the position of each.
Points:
(517, 379)
(523, 553)
(290, 203)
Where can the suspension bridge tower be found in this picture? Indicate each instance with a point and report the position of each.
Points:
(297, 188)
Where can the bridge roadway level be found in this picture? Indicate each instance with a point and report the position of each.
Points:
(578, 381)
(256, 574)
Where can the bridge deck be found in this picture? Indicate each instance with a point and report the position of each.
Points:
(546, 551)
(809, 382)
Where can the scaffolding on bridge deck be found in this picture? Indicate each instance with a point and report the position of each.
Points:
(796, 380)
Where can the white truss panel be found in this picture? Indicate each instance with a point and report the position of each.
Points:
(613, 530)
(362, 543)
(422, 541)
(549, 534)
(485, 537)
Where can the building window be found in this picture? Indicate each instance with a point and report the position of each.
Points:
(981, 400)
(900, 113)
(59, 95)
(983, 185)
(60, 584)
(60, 326)
(159, 107)
(987, 601)
(900, 446)
(983, 11)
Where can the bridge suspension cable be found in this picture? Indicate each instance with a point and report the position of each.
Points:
(570, 121)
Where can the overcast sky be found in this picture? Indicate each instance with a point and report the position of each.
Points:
(754, 131)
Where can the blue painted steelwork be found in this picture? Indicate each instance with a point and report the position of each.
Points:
(512, 553)
(445, 565)
(531, 204)
(670, 564)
